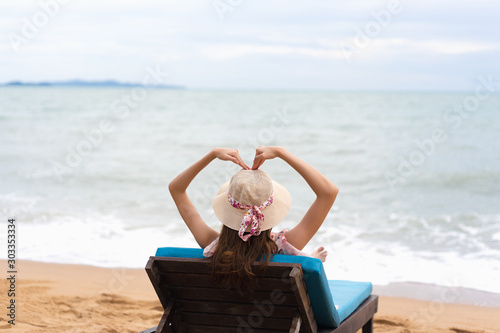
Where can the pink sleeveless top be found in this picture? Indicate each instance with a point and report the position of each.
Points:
(283, 246)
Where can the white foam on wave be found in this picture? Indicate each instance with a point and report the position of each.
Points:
(443, 250)
(365, 262)
(105, 241)
(383, 257)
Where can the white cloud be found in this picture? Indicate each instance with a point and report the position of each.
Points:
(395, 47)
(455, 47)
(229, 51)
(116, 38)
(331, 49)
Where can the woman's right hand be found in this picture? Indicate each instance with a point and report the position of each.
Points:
(265, 153)
(232, 155)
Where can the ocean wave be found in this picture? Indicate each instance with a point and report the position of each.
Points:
(114, 209)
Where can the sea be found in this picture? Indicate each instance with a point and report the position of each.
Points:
(85, 172)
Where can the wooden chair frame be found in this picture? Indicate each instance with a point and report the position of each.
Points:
(279, 303)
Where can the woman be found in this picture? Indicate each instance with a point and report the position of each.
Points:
(249, 206)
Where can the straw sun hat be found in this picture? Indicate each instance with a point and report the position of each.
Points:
(251, 201)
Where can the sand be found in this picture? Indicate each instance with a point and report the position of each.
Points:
(77, 298)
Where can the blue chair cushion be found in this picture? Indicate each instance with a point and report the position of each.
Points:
(347, 295)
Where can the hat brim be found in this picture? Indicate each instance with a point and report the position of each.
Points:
(273, 214)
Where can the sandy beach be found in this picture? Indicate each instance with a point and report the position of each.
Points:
(76, 298)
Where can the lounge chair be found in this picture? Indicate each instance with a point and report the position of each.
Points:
(293, 295)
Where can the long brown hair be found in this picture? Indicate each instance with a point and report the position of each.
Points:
(233, 258)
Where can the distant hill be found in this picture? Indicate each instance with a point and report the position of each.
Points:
(82, 83)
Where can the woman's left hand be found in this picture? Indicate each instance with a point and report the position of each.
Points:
(232, 155)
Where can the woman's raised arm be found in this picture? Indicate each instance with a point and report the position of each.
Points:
(203, 233)
(325, 191)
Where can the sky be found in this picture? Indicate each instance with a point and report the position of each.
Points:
(259, 44)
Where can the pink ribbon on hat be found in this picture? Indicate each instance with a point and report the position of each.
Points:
(253, 215)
